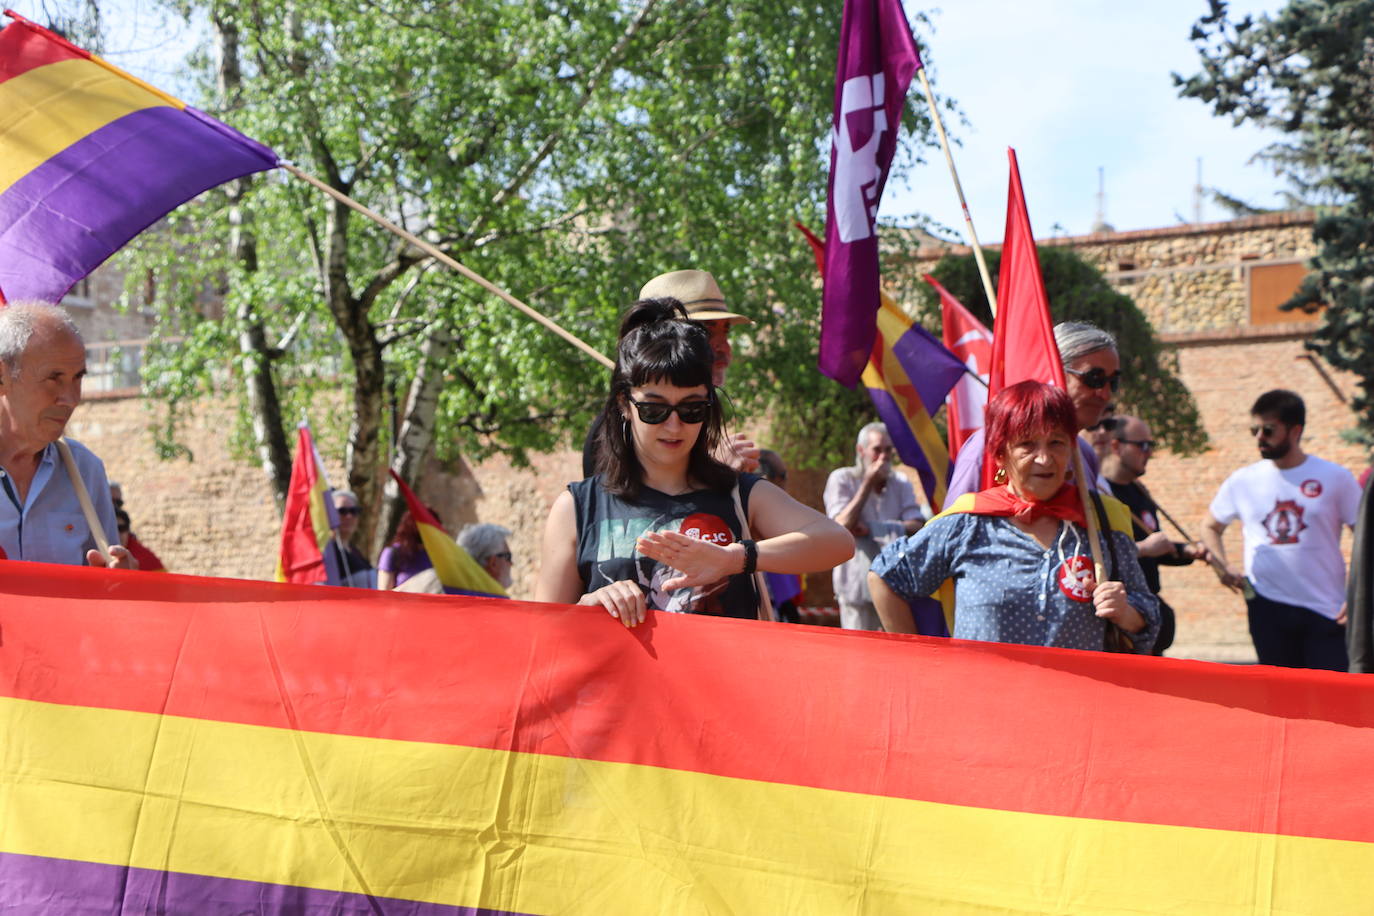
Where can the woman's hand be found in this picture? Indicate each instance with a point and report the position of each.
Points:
(1109, 600)
(697, 562)
(623, 600)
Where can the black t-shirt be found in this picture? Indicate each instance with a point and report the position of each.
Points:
(608, 527)
(1143, 508)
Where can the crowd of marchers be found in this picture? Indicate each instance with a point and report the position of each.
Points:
(1048, 536)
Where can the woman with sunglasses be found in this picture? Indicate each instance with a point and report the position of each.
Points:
(663, 524)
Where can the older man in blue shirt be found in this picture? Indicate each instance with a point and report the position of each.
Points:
(42, 363)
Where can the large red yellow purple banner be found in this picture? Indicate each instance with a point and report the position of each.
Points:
(172, 744)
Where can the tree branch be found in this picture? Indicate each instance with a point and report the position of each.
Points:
(602, 69)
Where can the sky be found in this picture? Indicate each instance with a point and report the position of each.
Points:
(1074, 85)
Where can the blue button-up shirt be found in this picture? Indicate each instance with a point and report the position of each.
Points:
(48, 525)
(1009, 588)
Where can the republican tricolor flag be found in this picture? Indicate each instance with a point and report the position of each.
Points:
(967, 338)
(179, 745)
(310, 519)
(89, 157)
(458, 572)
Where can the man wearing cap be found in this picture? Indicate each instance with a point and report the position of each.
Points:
(42, 363)
(705, 304)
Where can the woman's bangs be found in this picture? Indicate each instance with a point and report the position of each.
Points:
(669, 362)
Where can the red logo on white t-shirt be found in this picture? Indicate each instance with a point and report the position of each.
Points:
(1284, 522)
(1311, 488)
(1076, 578)
(709, 528)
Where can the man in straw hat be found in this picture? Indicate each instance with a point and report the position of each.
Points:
(42, 363)
(700, 295)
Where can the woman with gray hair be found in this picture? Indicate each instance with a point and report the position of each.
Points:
(1092, 369)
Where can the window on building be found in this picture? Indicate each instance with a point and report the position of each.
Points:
(1270, 286)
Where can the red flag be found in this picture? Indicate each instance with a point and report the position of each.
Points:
(308, 522)
(1023, 337)
(967, 339)
(1023, 344)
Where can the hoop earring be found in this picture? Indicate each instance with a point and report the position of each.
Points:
(1000, 477)
(625, 429)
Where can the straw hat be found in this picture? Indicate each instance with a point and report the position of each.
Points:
(697, 291)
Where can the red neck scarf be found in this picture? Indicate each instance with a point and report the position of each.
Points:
(1003, 502)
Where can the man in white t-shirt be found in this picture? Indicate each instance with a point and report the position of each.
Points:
(878, 506)
(1291, 506)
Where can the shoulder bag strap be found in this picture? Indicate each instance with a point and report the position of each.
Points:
(84, 498)
(760, 583)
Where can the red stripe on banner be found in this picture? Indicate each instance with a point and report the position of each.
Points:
(1008, 727)
(25, 46)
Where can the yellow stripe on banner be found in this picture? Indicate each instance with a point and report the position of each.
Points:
(48, 108)
(542, 834)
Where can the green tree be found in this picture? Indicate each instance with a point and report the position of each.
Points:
(567, 156)
(1308, 71)
(1150, 389)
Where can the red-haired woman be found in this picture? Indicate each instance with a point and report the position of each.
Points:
(1018, 552)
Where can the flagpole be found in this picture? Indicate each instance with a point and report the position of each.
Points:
(444, 259)
(959, 189)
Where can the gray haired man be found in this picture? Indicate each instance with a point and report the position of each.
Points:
(487, 545)
(42, 363)
(878, 507)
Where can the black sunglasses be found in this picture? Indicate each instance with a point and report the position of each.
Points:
(349, 510)
(656, 412)
(1106, 424)
(1266, 430)
(504, 555)
(1097, 377)
(1145, 445)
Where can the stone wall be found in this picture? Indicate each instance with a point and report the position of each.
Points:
(1184, 278)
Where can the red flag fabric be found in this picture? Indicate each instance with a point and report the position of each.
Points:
(1023, 336)
(1023, 344)
(307, 522)
(967, 338)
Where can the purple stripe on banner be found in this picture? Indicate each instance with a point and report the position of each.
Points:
(63, 219)
(33, 884)
(903, 438)
(930, 366)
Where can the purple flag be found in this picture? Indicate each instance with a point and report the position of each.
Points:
(90, 157)
(876, 62)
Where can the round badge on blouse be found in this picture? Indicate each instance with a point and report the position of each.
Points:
(1076, 578)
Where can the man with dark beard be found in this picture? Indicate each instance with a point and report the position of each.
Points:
(1291, 506)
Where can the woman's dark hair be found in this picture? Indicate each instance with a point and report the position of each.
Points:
(658, 343)
(406, 544)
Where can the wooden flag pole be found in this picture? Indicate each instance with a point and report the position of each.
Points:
(444, 259)
(959, 189)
